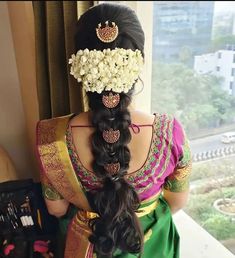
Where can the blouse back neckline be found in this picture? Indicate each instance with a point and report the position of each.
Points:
(70, 142)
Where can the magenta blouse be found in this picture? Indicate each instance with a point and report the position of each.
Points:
(167, 166)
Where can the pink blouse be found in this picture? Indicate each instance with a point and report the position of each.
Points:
(168, 163)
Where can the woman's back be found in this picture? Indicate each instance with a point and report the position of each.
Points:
(141, 132)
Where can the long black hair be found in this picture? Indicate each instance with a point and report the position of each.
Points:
(116, 201)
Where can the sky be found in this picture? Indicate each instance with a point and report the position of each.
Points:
(223, 6)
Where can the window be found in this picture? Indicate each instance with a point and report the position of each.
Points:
(233, 72)
(231, 85)
(210, 108)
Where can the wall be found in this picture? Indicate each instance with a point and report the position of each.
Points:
(18, 105)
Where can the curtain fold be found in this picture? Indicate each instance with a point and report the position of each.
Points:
(58, 92)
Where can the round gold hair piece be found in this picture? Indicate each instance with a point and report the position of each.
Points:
(112, 168)
(108, 33)
(111, 100)
(111, 136)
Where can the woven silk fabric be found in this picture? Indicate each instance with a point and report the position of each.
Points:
(63, 175)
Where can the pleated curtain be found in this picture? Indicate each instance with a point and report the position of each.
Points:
(58, 92)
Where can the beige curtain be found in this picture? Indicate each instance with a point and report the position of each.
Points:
(58, 92)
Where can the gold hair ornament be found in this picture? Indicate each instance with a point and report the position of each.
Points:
(108, 33)
(111, 136)
(112, 168)
(111, 100)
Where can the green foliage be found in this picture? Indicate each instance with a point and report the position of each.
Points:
(223, 27)
(200, 208)
(220, 227)
(185, 54)
(229, 192)
(220, 42)
(197, 100)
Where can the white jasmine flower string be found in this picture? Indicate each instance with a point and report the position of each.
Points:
(116, 69)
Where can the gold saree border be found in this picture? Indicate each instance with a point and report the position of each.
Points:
(55, 160)
(147, 209)
(77, 243)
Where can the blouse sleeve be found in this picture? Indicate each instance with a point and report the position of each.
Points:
(178, 181)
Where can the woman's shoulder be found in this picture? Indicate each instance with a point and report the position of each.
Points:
(54, 119)
(82, 119)
(140, 117)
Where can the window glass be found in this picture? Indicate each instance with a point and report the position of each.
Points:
(192, 78)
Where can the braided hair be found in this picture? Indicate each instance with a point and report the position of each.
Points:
(117, 226)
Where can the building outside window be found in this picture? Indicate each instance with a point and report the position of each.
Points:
(231, 85)
(197, 88)
(184, 28)
(233, 72)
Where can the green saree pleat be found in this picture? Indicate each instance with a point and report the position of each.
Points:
(161, 236)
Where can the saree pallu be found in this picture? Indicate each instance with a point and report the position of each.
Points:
(62, 177)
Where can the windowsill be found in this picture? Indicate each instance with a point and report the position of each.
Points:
(197, 242)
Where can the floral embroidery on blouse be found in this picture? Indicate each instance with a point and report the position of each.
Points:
(155, 166)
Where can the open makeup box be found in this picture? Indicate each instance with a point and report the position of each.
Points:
(26, 228)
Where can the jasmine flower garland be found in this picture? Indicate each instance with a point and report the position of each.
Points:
(116, 69)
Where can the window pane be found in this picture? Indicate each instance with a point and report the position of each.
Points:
(231, 85)
(192, 78)
(233, 72)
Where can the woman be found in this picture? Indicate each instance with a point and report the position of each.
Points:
(117, 173)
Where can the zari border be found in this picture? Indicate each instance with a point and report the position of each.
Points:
(78, 245)
(55, 161)
(166, 123)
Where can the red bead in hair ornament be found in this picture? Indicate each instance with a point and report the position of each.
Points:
(111, 100)
(111, 136)
(112, 168)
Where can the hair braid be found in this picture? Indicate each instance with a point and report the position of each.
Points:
(117, 201)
